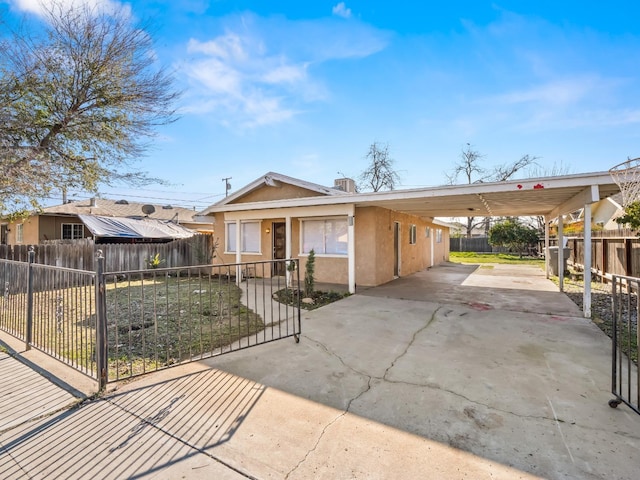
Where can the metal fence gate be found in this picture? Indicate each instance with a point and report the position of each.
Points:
(112, 326)
(625, 376)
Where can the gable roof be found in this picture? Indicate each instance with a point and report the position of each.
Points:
(123, 208)
(549, 196)
(271, 179)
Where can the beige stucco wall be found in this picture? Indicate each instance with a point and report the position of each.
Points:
(374, 243)
(266, 193)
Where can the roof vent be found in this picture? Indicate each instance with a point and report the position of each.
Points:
(122, 202)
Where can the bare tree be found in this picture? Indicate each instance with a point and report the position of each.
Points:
(470, 168)
(78, 100)
(380, 174)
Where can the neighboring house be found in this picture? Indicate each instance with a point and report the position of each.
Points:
(603, 215)
(279, 217)
(65, 222)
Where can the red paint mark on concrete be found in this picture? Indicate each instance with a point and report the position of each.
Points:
(480, 306)
(538, 186)
(519, 187)
(559, 319)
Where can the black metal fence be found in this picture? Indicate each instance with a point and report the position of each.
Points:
(625, 376)
(116, 325)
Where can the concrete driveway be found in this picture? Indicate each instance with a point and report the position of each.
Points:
(491, 360)
(454, 372)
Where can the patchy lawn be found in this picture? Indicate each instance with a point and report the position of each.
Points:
(473, 257)
(166, 319)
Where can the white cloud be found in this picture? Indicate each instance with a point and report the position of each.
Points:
(341, 10)
(260, 71)
(40, 6)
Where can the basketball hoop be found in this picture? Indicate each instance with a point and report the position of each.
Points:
(627, 177)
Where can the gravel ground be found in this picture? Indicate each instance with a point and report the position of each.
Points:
(601, 308)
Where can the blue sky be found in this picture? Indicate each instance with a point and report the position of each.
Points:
(303, 88)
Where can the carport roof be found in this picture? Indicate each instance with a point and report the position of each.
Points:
(548, 196)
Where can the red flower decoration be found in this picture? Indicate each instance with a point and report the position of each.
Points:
(519, 187)
(539, 185)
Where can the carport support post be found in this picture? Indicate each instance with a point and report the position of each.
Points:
(560, 253)
(101, 324)
(586, 261)
(547, 264)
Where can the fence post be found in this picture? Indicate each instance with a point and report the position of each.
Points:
(29, 332)
(101, 324)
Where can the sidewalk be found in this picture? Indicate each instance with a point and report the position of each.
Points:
(202, 423)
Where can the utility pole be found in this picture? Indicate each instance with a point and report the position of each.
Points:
(227, 185)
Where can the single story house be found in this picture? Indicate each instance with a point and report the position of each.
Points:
(69, 222)
(280, 217)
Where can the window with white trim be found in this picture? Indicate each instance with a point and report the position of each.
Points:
(249, 237)
(325, 237)
(438, 235)
(412, 234)
(427, 232)
(20, 233)
(72, 231)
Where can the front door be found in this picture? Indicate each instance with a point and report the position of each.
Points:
(279, 248)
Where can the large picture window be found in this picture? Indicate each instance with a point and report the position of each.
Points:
(249, 237)
(325, 237)
(72, 231)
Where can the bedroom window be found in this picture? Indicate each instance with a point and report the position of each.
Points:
(325, 237)
(249, 237)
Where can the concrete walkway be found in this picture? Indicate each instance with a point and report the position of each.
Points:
(454, 372)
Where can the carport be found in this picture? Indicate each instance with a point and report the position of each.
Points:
(549, 197)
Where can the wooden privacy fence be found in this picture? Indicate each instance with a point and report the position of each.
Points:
(81, 254)
(610, 255)
(474, 244)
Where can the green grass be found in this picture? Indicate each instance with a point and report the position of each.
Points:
(152, 322)
(506, 258)
(165, 320)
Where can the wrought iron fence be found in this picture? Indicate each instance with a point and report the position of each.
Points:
(166, 316)
(625, 376)
(116, 325)
(51, 309)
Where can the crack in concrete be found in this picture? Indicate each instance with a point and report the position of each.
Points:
(413, 339)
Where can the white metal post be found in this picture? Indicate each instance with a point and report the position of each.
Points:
(547, 264)
(560, 254)
(586, 294)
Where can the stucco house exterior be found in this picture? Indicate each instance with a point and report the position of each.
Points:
(279, 217)
(64, 222)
